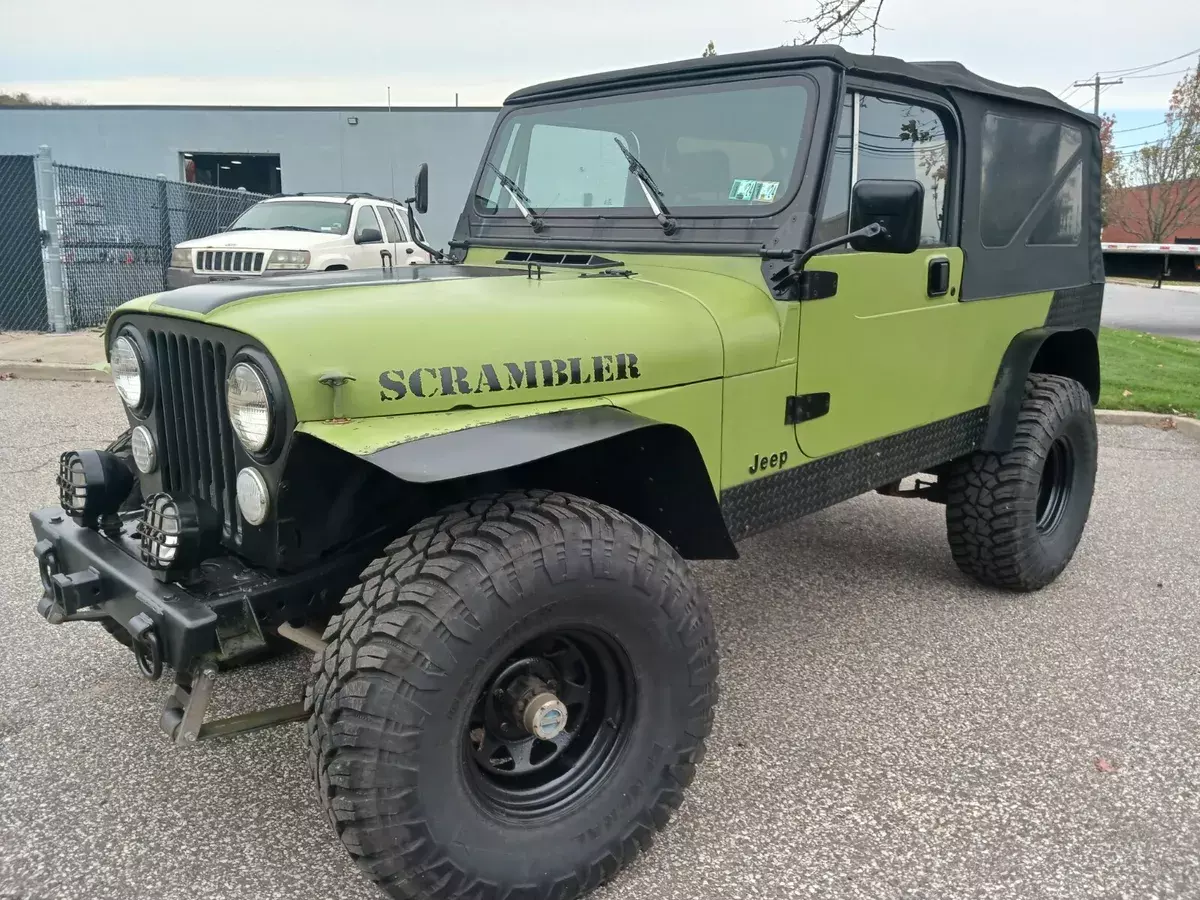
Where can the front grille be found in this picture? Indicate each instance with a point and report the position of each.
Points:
(196, 440)
(230, 261)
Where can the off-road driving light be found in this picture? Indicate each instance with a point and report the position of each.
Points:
(92, 484)
(249, 406)
(174, 534)
(126, 371)
(254, 500)
(145, 454)
(288, 259)
(181, 259)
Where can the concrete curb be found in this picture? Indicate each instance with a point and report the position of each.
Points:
(1182, 424)
(27, 371)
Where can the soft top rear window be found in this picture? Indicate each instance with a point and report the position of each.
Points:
(731, 147)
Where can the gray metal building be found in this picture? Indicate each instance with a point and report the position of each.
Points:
(366, 149)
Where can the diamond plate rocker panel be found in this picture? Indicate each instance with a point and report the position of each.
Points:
(766, 502)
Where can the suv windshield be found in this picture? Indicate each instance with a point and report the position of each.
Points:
(726, 146)
(330, 217)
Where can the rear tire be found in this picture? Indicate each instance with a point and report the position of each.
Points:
(417, 761)
(1014, 519)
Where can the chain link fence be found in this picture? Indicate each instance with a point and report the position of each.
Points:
(75, 242)
(22, 283)
(116, 233)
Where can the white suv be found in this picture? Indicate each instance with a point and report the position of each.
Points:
(304, 232)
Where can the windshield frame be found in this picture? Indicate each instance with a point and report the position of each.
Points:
(801, 76)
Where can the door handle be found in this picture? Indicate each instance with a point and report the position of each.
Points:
(938, 284)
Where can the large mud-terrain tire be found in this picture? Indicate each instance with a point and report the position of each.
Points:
(1014, 519)
(410, 737)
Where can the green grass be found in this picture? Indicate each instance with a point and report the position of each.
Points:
(1150, 373)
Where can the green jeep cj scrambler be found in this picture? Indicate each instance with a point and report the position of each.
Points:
(683, 304)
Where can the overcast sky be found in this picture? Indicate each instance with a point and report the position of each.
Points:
(304, 52)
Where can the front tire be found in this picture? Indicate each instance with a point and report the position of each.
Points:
(1014, 519)
(433, 765)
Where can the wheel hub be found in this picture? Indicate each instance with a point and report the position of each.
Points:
(549, 722)
(545, 717)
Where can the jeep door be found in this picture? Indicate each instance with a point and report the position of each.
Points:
(889, 347)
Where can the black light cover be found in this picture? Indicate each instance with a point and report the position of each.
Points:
(175, 534)
(92, 484)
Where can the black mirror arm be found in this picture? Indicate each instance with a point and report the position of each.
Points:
(437, 255)
(800, 258)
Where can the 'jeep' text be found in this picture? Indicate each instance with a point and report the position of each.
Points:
(510, 376)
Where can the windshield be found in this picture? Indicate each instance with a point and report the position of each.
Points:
(732, 145)
(330, 217)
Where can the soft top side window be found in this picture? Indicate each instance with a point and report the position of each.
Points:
(1023, 160)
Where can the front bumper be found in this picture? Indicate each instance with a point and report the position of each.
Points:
(87, 575)
(221, 615)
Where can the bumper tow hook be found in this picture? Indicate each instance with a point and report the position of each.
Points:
(147, 650)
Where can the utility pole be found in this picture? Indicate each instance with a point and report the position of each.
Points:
(1097, 84)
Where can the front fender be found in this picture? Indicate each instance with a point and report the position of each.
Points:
(650, 470)
(381, 439)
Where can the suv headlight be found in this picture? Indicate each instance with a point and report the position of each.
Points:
(127, 371)
(181, 259)
(288, 259)
(249, 406)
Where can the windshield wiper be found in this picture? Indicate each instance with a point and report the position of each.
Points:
(519, 198)
(650, 189)
(290, 228)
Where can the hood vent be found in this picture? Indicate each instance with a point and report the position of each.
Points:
(573, 260)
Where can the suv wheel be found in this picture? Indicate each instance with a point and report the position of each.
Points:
(512, 700)
(1014, 519)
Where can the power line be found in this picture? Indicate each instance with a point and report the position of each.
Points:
(1159, 74)
(1158, 124)
(1152, 65)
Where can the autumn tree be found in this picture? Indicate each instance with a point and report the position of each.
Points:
(1109, 161)
(835, 21)
(710, 50)
(1160, 182)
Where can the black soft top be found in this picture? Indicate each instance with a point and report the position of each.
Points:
(925, 74)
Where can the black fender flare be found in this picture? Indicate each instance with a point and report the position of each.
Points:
(1053, 350)
(650, 470)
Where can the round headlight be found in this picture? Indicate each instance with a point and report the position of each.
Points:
(144, 454)
(253, 499)
(249, 406)
(127, 371)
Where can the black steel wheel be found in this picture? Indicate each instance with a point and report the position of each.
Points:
(512, 700)
(1054, 487)
(1014, 519)
(524, 774)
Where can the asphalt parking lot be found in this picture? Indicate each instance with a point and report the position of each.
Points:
(1170, 310)
(886, 728)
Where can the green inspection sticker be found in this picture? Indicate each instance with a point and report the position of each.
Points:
(748, 190)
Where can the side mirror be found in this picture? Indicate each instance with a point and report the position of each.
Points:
(368, 236)
(419, 202)
(420, 198)
(897, 206)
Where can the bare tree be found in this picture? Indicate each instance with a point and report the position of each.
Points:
(1160, 183)
(835, 21)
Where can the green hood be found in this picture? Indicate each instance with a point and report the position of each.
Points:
(464, 341)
